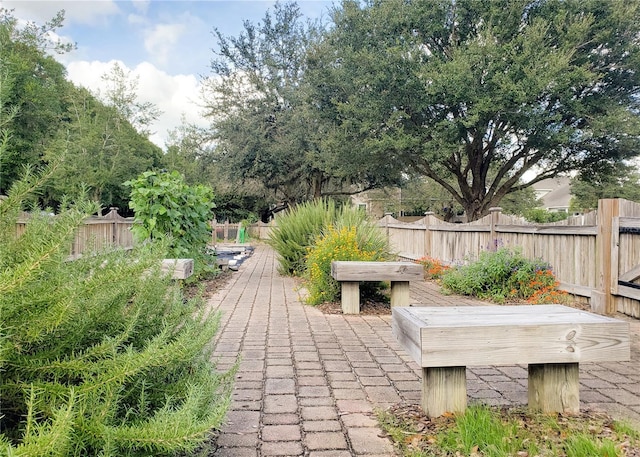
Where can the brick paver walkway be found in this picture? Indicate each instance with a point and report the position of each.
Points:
(309, 383)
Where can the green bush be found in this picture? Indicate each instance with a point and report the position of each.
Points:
(543, 216)
(102, 355)
(166, 207)
(353, 237)
(296, 230)
(504, 275)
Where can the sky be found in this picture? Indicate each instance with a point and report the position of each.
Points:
(166, 44)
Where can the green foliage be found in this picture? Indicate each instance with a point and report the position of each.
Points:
(582, 444)
(613, 181)
(489, 89)
(481, 430)
(102, 355)
(520, 202)
(502, 275)
(36, 92)
(352, 238)
(296, 230)
(269, 120)
(542, 216)
(52, 116)
(167, 208)
(257, 105)
(104, 151)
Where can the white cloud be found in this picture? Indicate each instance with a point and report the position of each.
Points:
(141, 5)
(137, 19)
(174, 95)
(88, 12)
(161, 39)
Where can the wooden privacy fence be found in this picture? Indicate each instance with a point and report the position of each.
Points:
(97, 232)
(596, 255)
(110, 230)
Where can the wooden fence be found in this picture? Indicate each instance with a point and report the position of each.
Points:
(99, 232)
(596, 256)
(96, 233)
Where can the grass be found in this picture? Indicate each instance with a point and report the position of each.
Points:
(485, 431)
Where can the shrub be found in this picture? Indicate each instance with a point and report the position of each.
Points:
(102, 355)
(353, 238)
(166, 207)
(505, 275)
(543, 216)
(433, 268)
(296, 230)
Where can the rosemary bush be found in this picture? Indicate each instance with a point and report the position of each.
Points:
(102, 355)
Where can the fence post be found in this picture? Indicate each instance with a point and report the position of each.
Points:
(113, 215)
(387, 216)
(214, 234)
(427, 233)
(225, 235)
(602, 301)
(493, 221)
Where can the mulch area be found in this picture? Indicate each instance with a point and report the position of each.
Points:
(367, 307)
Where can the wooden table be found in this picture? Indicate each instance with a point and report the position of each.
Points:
(551, 339)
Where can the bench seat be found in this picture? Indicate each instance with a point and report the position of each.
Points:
(351, 273)
(179, 268)
(551, 339)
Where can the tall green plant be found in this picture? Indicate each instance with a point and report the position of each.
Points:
(167, 208)
(296, 230)
(102, 355)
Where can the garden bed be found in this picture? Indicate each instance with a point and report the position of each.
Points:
(494, 431)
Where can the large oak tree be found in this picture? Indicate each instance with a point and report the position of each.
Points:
(474, 94)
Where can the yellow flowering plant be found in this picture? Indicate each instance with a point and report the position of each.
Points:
(362, 242)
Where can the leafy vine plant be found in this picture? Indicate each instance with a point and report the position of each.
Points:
(167, 208)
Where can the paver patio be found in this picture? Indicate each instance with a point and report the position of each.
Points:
(308, 383)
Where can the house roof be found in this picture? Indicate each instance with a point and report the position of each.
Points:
(555, 193)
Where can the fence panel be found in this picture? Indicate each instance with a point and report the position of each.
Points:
(580, 249)
(96, 233)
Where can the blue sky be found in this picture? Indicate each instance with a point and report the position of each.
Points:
(166, 44)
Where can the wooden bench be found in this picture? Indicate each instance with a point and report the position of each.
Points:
(351, 273)
(551, 339)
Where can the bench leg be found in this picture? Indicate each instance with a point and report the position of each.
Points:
(554, 388)
(350, 297)
(399, 293)
(444, 390)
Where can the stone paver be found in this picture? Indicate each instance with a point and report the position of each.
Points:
(308, 384)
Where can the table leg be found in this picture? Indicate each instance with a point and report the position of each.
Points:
(554, 388)
(444, 390)
(350, 297)
(399, 293)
